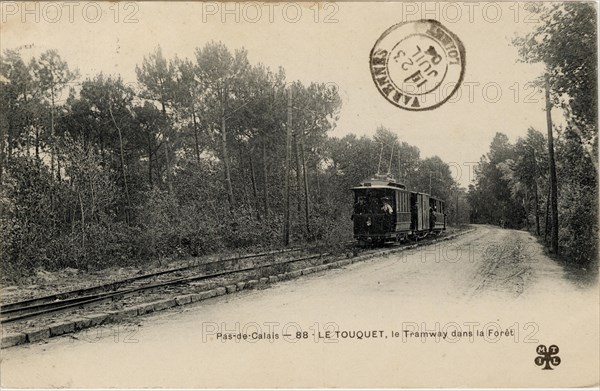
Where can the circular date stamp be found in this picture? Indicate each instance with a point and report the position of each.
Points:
(417, 65)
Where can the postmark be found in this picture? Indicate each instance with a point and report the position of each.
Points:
(417, 65)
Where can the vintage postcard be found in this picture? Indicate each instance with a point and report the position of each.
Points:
(298, 195)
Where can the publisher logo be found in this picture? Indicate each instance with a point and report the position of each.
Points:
(547, 357)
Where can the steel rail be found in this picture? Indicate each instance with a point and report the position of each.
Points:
(24, 313)
(41, 301)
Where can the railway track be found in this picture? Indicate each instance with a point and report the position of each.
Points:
(81, 299)
(115, 284)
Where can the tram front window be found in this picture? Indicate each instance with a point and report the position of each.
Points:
(361, 205)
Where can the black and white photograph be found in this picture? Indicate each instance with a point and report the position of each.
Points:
(299, 195)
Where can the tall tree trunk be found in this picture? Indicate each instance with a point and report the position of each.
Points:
(306, 199)
(167, 149)
(82, 219)
(547, 223)
(537, 208)
(254, 187)
(52, 141)
(27, 123)
(37, 143)
(535, 194)
(5, 157)
(527, 210)
(72, 214)
(265, 179)
(457, 210)
(298, 176)
(93, 207)
(553, 184)
(58, 165)
(226, 162)
(150, 179)
(288, 152)
(122, 154)
(317, 181)
(168, 165)
(196, 142)
(243, 175)
(28, 141)
(2, 161)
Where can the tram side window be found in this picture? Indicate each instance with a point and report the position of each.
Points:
(373, 204)
(401, 202)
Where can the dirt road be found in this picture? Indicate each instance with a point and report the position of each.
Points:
(470, 312)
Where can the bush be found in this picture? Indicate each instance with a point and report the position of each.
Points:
(578, 230)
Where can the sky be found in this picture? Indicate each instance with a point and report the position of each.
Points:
(329, 43)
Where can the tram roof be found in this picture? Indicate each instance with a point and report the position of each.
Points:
(381, 181)
(387, 182)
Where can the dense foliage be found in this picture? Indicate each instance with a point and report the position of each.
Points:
(512, 184)
(192, 159)
(189, 161)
